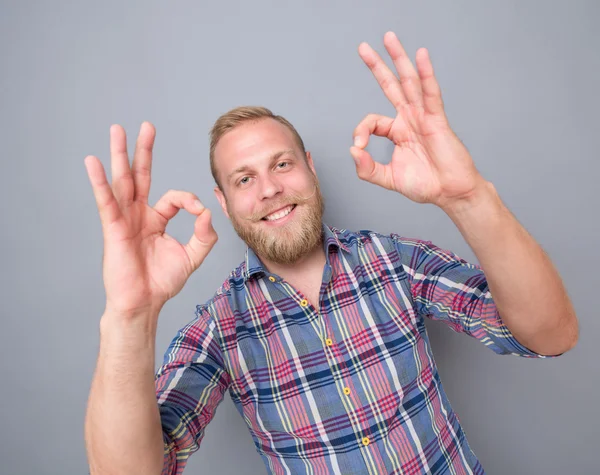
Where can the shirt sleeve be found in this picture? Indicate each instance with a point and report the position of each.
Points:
(446, 287)
(190, 384)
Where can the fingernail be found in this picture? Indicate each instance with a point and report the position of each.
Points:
(357, 141)
(198, 204)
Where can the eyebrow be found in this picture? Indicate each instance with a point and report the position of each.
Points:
(273, 158)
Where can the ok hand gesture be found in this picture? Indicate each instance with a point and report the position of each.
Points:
(143, 267)
(429, 163)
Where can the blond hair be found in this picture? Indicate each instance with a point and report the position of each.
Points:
(238, 116)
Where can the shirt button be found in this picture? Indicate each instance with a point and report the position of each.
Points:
(304, 302)
(365, 441)
(346, 391)
(271, 278)
(328, 342)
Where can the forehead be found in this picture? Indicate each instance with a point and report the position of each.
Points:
(252, 141)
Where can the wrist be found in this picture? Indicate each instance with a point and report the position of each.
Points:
(132, 326)
(483, 195)
(132, 315)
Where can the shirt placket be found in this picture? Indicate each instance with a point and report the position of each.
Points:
(350, 399)
(344, 384)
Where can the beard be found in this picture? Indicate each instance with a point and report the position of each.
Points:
(287, 243)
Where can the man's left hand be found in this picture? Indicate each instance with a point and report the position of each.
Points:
(429, 163)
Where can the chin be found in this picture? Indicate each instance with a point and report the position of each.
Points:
(287, 240)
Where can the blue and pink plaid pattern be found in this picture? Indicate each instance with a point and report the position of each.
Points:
(350, 387)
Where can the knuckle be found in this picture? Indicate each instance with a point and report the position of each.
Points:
(142, 171)
(388, 82)
(408, 79)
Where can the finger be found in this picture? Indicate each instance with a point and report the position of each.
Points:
(385, 77)
(203, 239)
(432, 95)
(142, 162)
(105, 200)
(122, 181)
(372, 124)
(409, 79)
(172, 201)
(369, 170)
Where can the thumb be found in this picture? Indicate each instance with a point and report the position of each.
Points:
(203, 239)
(368, 169)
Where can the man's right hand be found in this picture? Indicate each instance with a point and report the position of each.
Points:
(143, 267)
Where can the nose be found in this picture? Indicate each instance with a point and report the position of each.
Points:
(269, 187)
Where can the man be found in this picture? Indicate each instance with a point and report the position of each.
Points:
(318, 334)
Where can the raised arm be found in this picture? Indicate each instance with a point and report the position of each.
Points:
(143, 267)
(430, 164)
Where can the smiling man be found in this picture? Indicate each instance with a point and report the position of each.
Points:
(318, 335)
(267, 185)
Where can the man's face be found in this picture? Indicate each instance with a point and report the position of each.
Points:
(270, 191)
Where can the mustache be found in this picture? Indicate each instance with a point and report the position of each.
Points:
(290, 199)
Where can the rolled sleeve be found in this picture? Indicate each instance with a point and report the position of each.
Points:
(447, 288)
(190, 384)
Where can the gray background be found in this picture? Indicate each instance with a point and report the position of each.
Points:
(519, 80)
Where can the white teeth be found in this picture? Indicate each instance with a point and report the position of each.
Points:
(280, 214)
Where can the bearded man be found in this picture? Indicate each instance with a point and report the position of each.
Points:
(318, 334)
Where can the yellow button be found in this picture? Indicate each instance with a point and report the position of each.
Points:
(365, 441)
(304, 302)
(329, 342)
(346, 391)
(271, 278)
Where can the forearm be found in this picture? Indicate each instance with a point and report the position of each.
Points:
(122, 429)
(525, 286)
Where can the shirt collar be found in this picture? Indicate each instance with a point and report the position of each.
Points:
(331, 237)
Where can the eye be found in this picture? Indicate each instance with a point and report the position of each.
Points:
(244, 180)
(283, 164)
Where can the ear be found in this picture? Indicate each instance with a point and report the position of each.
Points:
(311, 165)
(221, 197)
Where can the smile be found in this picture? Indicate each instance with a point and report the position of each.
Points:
(280, 214)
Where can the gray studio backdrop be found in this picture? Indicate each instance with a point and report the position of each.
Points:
(520, 84)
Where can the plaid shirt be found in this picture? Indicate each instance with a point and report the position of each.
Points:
(350, 387)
